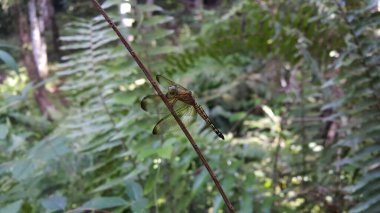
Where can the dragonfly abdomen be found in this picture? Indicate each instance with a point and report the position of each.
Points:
(205, 117)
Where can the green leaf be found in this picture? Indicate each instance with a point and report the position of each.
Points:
(237, 116)
(363, 154)
(333, 105)
(134, 190)
(22, 169)
(246, 204)
(8, 60)
(363, 206)
(109, 3)
(140, 205)
(12, 208)
(328, 83)
(148, 8)
(364, 181)
(164, 50)
(217, 204)
(105, 203)
(144, 153)
(150, 183)
(369, 6)
(165, 152)
(49, 149)
(124, 99)
(54, 202)
(350, 142)
(158, 34)
(135, 193)
(4, 129)
(114, 182)
(200, 179)
(111, 183)
(6, 44)
(156, 20)
(228, 183)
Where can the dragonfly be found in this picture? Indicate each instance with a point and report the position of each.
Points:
(182, 102)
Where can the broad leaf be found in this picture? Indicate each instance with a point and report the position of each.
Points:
(54, 202)
(105, 203)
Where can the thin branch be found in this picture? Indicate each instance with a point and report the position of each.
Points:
(165, 100)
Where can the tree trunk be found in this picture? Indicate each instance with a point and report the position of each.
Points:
(38, 40)
(47, 12)
(40, 93)
(47, 22)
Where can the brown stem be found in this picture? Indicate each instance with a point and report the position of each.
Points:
(165, 100)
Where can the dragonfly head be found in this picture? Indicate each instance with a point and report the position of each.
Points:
(172, 90)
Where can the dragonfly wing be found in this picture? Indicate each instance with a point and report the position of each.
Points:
(166, 82)
(154, 104)
(187, 114)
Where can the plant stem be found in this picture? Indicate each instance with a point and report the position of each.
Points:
(165, 100)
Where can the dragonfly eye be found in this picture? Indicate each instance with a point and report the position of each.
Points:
(172, 90)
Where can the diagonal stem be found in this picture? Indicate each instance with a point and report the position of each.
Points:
(165, 100)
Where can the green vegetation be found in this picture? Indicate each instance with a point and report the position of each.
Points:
(293, 85)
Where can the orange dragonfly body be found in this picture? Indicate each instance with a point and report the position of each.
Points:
(183, 103)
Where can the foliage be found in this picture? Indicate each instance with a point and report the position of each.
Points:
(7, 58)
(359, 108)
(289, 107)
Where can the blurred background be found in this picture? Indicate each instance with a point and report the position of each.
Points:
(293, 85)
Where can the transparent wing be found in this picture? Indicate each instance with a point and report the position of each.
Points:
(164, 82)
(154, 104)
(187, 114)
